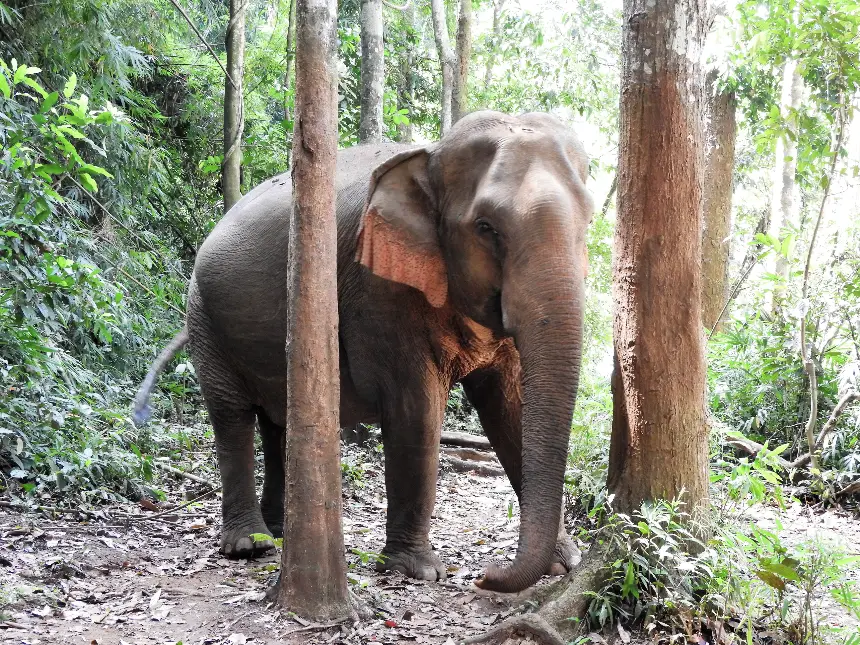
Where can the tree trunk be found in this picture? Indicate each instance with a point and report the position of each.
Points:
(720, 133)
(313, 568)
(783, 205)
(234, 114)
(406, 86)
(372, 72)
(460, 91)
(446, 60)
(659, 444)
(494, 43)
(290, 55)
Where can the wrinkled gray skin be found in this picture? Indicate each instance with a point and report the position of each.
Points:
(463, 261)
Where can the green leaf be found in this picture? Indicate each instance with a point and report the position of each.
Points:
(70, 85)
(89, 183)
(771, 579)
(780, 569)
(20, 73)
(4, 86)
(31, 83)
(49, 102)
(96, 170)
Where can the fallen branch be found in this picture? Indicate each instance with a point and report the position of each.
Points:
(186, 475)
(850, 489)
(466, 440)
(463, 466)
(753, 447)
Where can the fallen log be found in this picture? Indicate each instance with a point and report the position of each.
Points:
(479, 468)
(470, 454)
(465, 440)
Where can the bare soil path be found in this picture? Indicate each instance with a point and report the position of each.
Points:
(84, 580)
(102, 581)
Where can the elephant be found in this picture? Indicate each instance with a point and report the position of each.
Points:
(459, 261)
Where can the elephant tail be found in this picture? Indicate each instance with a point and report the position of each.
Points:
(142, 411)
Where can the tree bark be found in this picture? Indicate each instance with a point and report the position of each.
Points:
(494, 43)
(659, 444)
(446, 60)
(372, 72)
(406, 87)
(783, 206)
(460, 90)
(313, 568)
(234, 114)
(720, 133)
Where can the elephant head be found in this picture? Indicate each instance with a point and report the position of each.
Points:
(492, 222)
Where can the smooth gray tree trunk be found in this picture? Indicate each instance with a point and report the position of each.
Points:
(495, 39)
(234, 109)
(406, 86)
(372, 72)
(460, 90)
(446, 60)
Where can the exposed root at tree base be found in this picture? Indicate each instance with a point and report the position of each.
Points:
(531, 626)
(565, 600)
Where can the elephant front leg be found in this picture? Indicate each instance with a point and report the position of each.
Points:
(495, 394)
(411, 427)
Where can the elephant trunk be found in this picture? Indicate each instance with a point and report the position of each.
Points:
(547, 330)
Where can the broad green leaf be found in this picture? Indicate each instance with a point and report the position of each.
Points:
(96, 170)
(49, 102)
(31, 83)
(4, 86)
(781, 569)
(771, 579)
(20, 73)
(69, 89)
(89, 183)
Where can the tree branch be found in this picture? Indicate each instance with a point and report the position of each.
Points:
(203, 40)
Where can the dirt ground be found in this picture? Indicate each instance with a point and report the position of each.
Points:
(112, 580)
(107, 582)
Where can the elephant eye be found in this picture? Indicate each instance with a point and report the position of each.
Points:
(484, 228)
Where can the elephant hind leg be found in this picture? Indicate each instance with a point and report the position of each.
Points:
(233, 422)
(242, 518)
(272, 499)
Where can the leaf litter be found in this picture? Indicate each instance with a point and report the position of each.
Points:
(105, 577)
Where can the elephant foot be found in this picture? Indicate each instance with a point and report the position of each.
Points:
(238, 543)
(566, 556)
(420, 564)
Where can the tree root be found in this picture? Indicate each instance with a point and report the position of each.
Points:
(563, 604)
(532, 626)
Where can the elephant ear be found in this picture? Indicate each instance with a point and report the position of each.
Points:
(398, 238)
